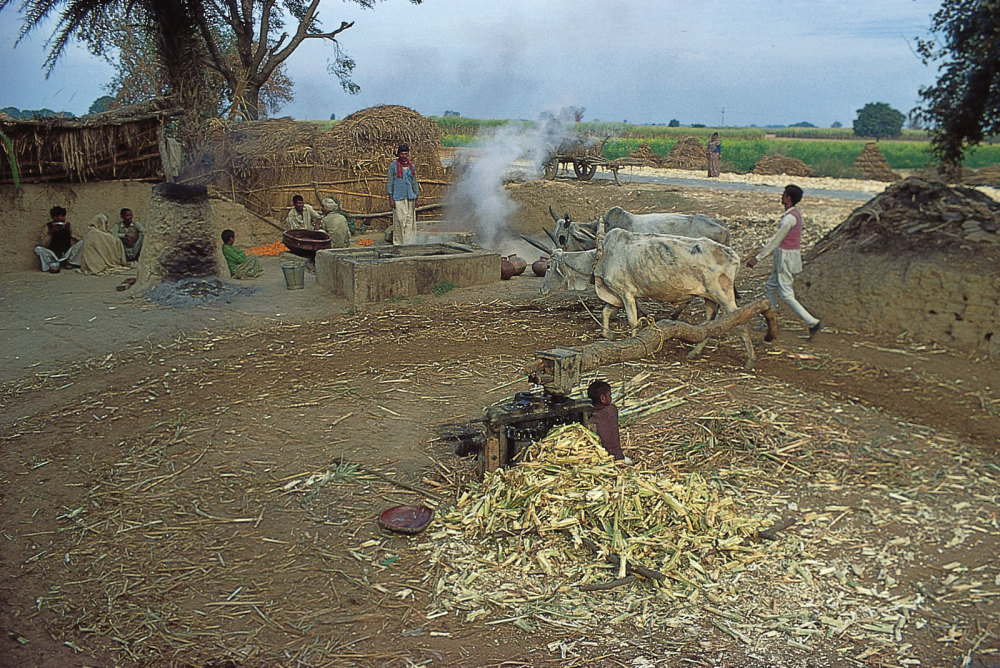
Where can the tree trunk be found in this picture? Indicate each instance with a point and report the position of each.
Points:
(250, 103)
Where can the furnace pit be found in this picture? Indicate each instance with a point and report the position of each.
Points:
(373, 274)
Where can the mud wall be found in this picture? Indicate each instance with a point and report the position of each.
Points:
(25, 210)
(953, 303)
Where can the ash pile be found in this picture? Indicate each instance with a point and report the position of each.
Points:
(919, 261)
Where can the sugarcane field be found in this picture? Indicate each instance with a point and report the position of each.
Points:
(211, 474)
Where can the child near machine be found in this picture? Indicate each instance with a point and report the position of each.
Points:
(605, 419)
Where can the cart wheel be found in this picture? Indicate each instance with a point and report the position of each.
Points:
(550, 168)
(584, 170)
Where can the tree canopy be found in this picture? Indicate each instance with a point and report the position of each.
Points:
(244, 42)
(878, 120)
(963, 107)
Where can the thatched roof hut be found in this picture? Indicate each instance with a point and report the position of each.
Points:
(262, 164)
(118, 144)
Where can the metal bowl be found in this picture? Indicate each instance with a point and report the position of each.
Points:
(305, 242)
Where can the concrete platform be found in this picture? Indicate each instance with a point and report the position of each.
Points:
(374, 274)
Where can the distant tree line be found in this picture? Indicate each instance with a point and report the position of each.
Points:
(14, 112)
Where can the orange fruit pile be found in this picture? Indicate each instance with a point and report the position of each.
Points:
(365, 242)
(268, 250)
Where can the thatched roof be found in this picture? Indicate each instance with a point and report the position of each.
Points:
(118, 144)
(261, 164)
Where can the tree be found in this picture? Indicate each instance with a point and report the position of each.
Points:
(101, 104)
(802, 124)
(140, 75)
(192, 35)
(836, 124)
(452, 113)
(878, 120)
(572, 113)
(674, 123)
(963, 107)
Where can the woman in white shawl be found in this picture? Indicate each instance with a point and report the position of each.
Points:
(103, 252)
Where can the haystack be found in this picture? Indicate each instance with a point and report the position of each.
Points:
(688, 153)
(924, 262)
(643, 156)
(779, 164)
(872, 165)
(263, 164)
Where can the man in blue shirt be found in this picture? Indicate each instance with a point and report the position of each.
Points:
(403, 189)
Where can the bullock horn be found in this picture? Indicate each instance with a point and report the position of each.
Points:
(552, 236)
(566, 217)
(554, 215)
(602, 227)
(537, 245)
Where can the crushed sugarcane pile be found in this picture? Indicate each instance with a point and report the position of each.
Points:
(570, 513)
(871, 164)
(580, 146)
(918, 213)
(688, 153)
(779, 164)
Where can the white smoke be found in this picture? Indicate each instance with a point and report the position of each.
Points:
(477, 200)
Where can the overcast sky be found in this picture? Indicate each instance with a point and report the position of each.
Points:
(731, 62)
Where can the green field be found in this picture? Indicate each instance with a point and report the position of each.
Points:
(826, 151)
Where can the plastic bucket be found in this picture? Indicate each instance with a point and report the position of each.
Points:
(295, 275)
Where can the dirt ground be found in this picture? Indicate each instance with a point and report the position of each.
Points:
(200, 486)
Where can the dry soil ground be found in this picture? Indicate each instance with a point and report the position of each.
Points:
(164, 500)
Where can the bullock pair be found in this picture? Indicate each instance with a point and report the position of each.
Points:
(629, 264)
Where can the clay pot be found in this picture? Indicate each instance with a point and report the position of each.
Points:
(539, 266)
(519, 264)
(507, 269)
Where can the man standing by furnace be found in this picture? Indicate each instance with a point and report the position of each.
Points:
(403, 189)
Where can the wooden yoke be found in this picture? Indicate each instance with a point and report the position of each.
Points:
(558, 370)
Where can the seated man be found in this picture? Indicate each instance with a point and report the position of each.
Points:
(334, 224)
(240, 264)
(302, 216)
(61, 249)
(131, 232)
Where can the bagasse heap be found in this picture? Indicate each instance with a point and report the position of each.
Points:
(569, 487)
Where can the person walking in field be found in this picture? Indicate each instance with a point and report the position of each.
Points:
(403, 189)
(784, 246)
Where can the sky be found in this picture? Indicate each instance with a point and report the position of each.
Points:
(714, 62)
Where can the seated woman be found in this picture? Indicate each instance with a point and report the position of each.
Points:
(103, 252)
(241, 265)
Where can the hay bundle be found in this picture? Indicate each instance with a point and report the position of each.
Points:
(263, 164)
(871, 164)
(644, 156)
(779, 164)
(688, 153)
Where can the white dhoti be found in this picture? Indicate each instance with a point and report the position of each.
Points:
(404, 222)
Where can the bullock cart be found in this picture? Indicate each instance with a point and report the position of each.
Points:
(583, 154)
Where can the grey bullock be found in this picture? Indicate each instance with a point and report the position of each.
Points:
(629, 266)
(576, 236)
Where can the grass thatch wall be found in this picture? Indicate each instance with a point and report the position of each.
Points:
(262, 164)
(114, 145)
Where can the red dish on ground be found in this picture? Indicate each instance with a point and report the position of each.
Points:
(406, 519)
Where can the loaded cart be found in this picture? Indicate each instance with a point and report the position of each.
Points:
(584, 154)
